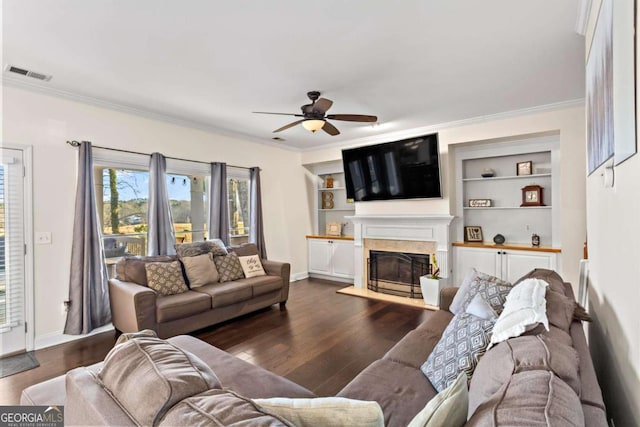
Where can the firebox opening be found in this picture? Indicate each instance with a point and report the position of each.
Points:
(397, 273)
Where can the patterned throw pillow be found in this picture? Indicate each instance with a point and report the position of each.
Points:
(491, 289)
(462, 344)
(165, 277)
(229, 267)
(215, 246)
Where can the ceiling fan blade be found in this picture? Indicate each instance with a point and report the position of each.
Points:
(289, 126)
(330, 129)
(322, 105)
(353, 118)
(280, 114)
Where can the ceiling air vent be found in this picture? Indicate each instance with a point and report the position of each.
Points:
(28, 73)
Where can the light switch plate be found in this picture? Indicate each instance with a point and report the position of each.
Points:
(43, 237)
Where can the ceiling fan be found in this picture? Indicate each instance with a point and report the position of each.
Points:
(314, 117)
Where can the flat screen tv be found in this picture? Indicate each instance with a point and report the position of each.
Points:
(406, 169)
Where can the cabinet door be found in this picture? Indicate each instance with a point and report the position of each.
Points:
(342, 259)
(484, 260)
(319, 256)
(518, 263)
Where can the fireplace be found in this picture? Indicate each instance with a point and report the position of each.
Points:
(408, 234)
(397, 273)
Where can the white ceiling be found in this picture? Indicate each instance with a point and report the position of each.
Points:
(413, 63)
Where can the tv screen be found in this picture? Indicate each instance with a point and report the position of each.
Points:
(406, 169)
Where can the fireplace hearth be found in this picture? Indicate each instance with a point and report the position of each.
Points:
(397, 273)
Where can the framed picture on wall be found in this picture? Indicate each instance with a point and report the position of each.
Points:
(473, 233)
(599, 81)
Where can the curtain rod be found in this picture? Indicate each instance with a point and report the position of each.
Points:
(75, 143)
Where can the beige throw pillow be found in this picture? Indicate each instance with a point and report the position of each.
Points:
(447, 408)
(326, 411)
(165, 277)
(251, 266)
(201, 270)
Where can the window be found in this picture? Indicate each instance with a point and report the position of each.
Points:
(122, 196)
(188, 201)
(238, 193)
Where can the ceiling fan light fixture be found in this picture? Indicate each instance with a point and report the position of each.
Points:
(313, 125)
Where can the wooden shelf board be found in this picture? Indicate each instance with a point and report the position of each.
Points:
(334, 188)
(337, 209)
(327, 237)
(511, 246)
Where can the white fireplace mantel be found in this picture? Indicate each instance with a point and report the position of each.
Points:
(431, 228)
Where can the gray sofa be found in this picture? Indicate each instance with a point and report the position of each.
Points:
(135, 306)
(395, 381)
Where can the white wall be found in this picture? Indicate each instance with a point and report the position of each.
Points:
(568, 123)
(46, 122)
(613, 227)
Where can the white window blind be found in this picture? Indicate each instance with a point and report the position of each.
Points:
(12, 263)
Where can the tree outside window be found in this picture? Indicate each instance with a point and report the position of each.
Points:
(123, 199)
(188, 201)
(238, 193)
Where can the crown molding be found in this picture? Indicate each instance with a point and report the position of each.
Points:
(17, 82)
(423, 130)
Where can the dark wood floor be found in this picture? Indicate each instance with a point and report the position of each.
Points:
(321, 341)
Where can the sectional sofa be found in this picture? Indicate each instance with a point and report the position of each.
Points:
(540, 378)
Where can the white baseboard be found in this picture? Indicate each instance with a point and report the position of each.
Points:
(58, 337)
(332, 278)
(298, 276)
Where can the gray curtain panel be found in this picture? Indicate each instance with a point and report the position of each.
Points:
(256, 232)
(88, 282)
(160, 230)
(219, 203)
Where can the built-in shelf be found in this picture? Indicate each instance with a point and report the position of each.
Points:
(506, 207)
(334, 198)
(510, 246)
(498, 178)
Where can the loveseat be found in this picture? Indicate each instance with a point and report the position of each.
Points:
(540, 378)
(135, 306)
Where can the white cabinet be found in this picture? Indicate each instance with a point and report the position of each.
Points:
(320, 254)
(508, 263)
(331, 257)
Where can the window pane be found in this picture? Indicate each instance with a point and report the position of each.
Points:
(187, 198)
(123, 198)
(238, 192)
